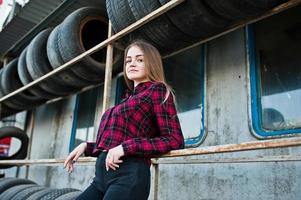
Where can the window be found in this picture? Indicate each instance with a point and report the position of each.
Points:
(84, 115)
(185, 73)
(274, 47)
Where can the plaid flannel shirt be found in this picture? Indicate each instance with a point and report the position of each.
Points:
(142, 123)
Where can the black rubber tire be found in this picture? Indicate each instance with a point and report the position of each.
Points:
(11, 131)
(24, 194)
(9, 102)
(13, 191)
(266, 4)
(6, 183)
(121, 16)
(38, 65)
(26, 78)
(195, 19)
(69, 196)
(161, 30)
(6, 106)
(10, 82)
(55, 58)
(236, 10)
(6, 111)
(38, 195)
(72, 41)
(56, 193)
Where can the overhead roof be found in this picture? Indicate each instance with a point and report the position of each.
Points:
(35, 16)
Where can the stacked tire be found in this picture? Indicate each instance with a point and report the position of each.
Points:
(21, 153)
(237, 10)
(24, 189)
(51, 48)
(185, 24)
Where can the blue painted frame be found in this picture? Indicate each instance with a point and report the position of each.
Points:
(256, 107)
(74, 124)
(194, 141)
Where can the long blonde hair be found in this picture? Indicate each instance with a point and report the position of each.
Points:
(153, 65)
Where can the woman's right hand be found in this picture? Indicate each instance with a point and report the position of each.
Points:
(73, 156)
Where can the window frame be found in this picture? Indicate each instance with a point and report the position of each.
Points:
(255, 94)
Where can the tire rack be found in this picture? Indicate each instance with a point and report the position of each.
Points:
(254, 145)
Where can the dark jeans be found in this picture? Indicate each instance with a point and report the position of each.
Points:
(131, 181)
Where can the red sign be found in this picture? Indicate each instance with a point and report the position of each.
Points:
(1, 1)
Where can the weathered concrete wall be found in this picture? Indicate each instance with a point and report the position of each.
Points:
(227, 123)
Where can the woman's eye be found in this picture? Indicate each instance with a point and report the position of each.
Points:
(127, 61)
(140, 60)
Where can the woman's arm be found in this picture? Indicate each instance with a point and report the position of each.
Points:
(73, 156)
(89, 148)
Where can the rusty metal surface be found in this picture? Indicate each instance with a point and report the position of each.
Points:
(276, 143)
(282, 158)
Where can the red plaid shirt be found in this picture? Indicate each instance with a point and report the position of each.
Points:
(141, 123)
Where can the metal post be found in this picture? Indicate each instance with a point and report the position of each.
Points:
(108, 72)
(30, 130)
(155, 181)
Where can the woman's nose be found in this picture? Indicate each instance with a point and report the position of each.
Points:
(133, 63)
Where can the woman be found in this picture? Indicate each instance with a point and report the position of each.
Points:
(143, 125)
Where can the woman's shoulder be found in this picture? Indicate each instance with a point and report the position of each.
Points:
(158, 86)
(160, 92)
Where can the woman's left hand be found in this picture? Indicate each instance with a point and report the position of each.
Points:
(113, 157)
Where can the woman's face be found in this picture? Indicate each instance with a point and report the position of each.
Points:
(135, 66)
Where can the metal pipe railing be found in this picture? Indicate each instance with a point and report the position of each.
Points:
(227, 148)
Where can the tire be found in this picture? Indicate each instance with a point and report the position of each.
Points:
(24, 194)
(38, 65)
(7, 183)
(56, 193)
(6, 106)
(38, 195)
(195, 19)
(160, 30)
(8, 102)
(6, 111)
(69, 196)
(13, 191)
(81, 31)
(237, 10)
(11, 131)
(10, 82)
(26, 78)
(54, 56)
(121, 16)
